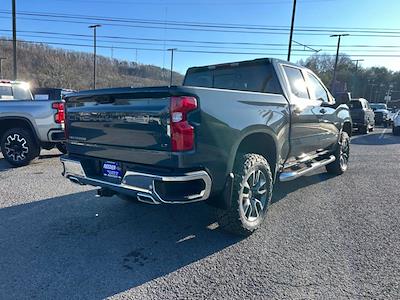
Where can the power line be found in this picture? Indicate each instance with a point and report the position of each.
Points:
(199, 27)
(199, 41)
(192, 51)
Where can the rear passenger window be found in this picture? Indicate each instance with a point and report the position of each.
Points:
(296, 82)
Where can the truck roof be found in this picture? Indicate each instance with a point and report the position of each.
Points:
(253, 61)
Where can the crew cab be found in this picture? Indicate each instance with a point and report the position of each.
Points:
(224, 137)
(27, 125)
(362, 115)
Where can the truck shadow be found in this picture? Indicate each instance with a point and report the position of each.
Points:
(77, 244)
(376, 139)
(282, 189)
(4, 165)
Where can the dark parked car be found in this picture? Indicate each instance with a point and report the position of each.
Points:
(225, 137)
(362, 115)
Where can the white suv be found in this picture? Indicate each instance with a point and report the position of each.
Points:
(396, 123)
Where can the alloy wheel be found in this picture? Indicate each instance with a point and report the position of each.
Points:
(344, 153)
(16, 147)
(253, 196)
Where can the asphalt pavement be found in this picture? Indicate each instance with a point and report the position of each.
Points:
(325, 237)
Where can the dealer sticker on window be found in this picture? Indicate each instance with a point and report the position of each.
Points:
(112, 169)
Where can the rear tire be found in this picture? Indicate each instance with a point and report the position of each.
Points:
(19, 147)
(396, 131)
(251, 197)
(342, 154)
(363, 129)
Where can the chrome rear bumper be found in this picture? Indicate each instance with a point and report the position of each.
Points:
(142, 185)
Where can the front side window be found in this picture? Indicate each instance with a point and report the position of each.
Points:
(317, 91)
(21, 93)
(296, 81)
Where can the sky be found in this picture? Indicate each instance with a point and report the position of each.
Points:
(236, 28)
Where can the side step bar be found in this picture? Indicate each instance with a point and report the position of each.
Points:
(288, 176)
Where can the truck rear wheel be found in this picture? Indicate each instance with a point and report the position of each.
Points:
(19, 147)
(363, 129)
(252, 193)
(342, 153)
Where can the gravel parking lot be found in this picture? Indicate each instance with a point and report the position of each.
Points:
(325, 237)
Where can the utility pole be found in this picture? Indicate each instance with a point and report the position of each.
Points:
(354, 78)
(370, 91)
(172, 64)
(14, 28)
(337, 57)
(291, 30)
(94, 27)
(357, 60)
(1, 66)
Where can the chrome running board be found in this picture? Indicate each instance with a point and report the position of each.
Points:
(291, 175)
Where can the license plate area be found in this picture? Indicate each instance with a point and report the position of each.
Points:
(112, 170)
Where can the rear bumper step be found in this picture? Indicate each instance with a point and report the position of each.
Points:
(149, 188)
(291, 175)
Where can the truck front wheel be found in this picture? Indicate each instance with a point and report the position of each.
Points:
(19, 147)
(252, 193)
(342, 154)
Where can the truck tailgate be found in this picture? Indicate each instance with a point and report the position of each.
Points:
(121, 120)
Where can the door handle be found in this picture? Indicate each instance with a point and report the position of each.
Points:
(322, 111)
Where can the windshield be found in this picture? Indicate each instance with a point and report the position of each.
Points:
(376, 106)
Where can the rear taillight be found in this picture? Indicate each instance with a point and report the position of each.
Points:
(59, 117)
(182, 133)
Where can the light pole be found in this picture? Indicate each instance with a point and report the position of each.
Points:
(337, 57)
(1, 66)
(291, 30)
(14, 29)
(94, 52)
(172, 64)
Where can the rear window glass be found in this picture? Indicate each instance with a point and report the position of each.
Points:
(255, 77)
(355, 105)
(5, 92)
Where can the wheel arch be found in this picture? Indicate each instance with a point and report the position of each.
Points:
(7, 123)
(258, 140)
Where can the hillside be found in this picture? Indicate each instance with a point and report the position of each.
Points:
(44, 66)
